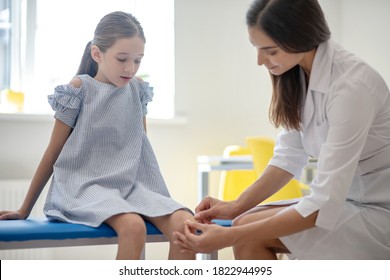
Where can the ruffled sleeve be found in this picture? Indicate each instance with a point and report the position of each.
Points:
(146, 95)
(66, 102)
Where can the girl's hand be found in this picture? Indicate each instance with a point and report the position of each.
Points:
(211, 238)
(211, 208)
(13, 215)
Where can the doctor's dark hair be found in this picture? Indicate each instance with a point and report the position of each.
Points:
(113, 26)
(295, 26)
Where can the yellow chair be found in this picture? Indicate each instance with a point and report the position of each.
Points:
(233, 183)
(262, 149)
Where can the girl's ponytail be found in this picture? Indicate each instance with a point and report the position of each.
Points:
(87, 65)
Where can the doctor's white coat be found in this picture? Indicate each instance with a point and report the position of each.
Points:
(346, 126)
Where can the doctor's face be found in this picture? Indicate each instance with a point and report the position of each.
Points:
(270, 55)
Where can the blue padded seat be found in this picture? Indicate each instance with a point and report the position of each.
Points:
(224, 223)
(41, 233)
(42, 229)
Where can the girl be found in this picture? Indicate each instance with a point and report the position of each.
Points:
(104, 169)
(332, 106)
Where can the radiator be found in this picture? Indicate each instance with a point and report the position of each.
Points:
(12, 193)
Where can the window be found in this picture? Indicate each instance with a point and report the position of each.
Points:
(53, 35)
(5, 51)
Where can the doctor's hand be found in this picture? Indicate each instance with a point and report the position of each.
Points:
(211, 208)
(211, 237)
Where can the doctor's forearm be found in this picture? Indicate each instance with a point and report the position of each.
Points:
(270, 181)
(285, 223)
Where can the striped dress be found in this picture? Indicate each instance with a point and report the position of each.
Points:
(107, 165)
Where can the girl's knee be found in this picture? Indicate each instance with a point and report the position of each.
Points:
(179, 216)
(178, 219)
(135, 227)
(182, 214)
(171, 223)
(128, 224)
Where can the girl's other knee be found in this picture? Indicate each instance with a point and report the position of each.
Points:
(173, 222)
(178, 219)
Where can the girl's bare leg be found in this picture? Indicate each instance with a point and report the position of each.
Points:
(263, 249)
(131, 232)
(170, 223)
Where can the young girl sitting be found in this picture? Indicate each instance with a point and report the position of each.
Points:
(103, 166)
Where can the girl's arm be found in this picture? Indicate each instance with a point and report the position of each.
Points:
(58, 138)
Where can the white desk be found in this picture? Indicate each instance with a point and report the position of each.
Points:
(218, 163)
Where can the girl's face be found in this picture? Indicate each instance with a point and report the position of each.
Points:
(271, 56)
(120, 63)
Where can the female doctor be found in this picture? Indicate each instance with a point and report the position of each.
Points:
(331, 106)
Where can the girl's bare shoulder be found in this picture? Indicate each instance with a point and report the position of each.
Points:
(76, 82)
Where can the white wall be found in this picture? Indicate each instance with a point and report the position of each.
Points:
(364, 29)
(221, 93)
